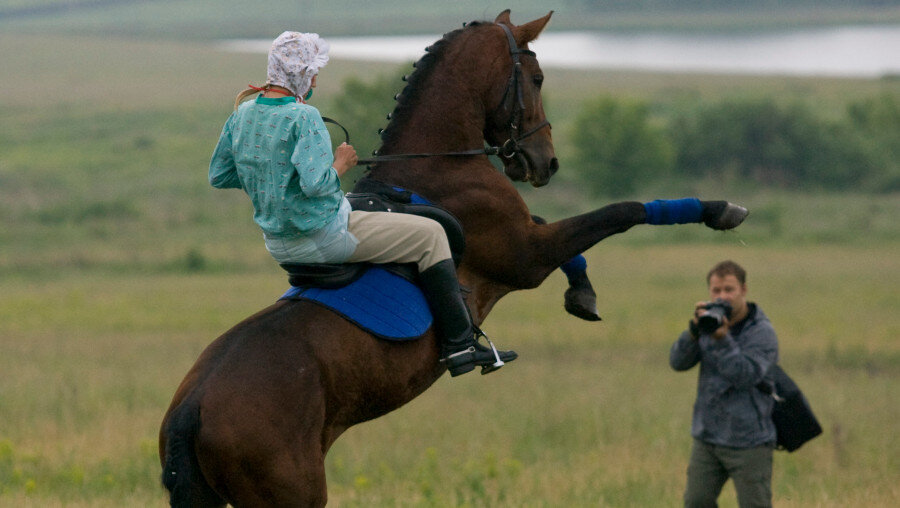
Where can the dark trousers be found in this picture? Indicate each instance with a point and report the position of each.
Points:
(711, 466)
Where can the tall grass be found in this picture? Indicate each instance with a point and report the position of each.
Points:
(589, 415)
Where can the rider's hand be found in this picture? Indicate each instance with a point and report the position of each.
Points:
(344, 158)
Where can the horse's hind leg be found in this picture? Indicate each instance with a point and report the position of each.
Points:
(283, 482)
(182, 474)
(272, 459)
(264, 469)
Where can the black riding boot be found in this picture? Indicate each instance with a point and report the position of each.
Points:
(460, 350)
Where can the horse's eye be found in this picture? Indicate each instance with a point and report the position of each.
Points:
(538, 80)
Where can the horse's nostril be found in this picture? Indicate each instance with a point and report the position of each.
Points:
(554, 165)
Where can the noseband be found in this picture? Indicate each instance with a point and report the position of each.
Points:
(510, 148)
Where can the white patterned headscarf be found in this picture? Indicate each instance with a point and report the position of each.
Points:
(294, 59)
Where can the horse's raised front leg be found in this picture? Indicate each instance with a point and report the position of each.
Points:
(579, 300)
(533, 255)
(565, 239)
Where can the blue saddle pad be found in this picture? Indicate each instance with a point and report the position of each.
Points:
(379, 302)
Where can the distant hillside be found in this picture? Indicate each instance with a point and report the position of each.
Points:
(203, 19)
(19, 9)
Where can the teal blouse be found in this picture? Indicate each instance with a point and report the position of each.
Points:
(279, 152)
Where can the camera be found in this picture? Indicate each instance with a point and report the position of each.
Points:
(716, 312)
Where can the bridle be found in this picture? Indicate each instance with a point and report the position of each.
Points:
(514, 94)
(511, 147)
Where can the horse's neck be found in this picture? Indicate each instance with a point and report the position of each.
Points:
(443, 121)
(450, 119)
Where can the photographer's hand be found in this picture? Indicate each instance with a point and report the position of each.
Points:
(722, 331)
(693, 324)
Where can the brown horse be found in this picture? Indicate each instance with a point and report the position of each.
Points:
(253, 419)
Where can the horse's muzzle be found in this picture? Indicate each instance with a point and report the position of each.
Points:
(538, 176)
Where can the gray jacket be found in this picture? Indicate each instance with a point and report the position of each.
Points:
(730, 410)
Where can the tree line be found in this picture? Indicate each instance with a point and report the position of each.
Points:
(619, 146)
(720, 5)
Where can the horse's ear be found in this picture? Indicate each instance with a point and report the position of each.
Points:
(503, 17)
(529, 31)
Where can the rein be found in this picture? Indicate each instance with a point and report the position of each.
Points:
(510, 148)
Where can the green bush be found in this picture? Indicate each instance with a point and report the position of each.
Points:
(774, 144)
(362, 108)
(877, 119)
(618, 148)
(758, 141)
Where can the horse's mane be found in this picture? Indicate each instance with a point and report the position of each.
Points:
(409, 97)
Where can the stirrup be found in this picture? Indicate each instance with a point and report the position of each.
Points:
(474, 349)
(487, 369)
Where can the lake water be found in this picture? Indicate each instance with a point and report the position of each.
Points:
(851, 51)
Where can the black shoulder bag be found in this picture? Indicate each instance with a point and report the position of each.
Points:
(795, 422)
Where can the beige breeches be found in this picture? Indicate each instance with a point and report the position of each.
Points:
(386, 237)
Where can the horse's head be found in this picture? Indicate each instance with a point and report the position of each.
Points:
(476, 83)
(515, 112)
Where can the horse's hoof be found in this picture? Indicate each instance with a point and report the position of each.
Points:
(582, 303)
(730, 217)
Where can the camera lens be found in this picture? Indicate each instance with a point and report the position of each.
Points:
(709, 323)
(715, 315)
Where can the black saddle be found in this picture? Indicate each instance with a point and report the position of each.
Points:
(332, 275)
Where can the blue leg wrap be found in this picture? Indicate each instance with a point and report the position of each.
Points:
(674, 211)
(574, 267)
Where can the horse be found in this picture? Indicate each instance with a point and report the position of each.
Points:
(253, 419)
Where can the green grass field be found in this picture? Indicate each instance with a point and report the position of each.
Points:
(590, 415)
(119, 264)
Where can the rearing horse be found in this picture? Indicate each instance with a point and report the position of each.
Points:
(253, 419)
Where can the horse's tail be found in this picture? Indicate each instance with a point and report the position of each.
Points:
(181, 473)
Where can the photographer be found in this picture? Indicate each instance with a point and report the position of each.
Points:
(735, 344)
